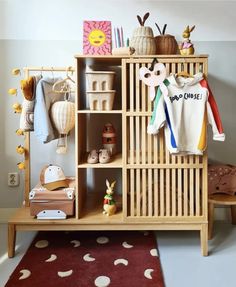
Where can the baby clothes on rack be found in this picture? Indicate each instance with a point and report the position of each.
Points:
(28, 87)
(184, 113)
(45, 97)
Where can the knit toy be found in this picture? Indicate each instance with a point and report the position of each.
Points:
(17, 108)
(19, 132)
(21, 165)
(20, 149)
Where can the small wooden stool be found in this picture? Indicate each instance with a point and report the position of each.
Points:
(220, 199)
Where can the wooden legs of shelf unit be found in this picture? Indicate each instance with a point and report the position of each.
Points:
(211, 207)
(204, 239)
(233, 214)
(11, 240)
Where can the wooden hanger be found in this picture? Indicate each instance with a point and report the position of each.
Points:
(184, 74)
(62, 86)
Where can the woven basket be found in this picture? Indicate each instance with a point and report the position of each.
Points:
(166, 45)
(143, 41)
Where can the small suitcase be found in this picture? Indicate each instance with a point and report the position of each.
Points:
(55, 204)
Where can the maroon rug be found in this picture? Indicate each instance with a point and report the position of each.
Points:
(88, 258)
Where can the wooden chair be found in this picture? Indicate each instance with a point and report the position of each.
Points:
(220, 199)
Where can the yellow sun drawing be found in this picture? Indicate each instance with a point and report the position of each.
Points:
(97, 37)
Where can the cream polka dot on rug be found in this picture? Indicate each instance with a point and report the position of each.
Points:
(102, 240)
(153, 252)
(102, 281)
(147, 273)
(126, 245)
(52, 258)
(75, 242)
(63, 274)
(41, 244)
(121, 261)
(25, 274)
(88, 258)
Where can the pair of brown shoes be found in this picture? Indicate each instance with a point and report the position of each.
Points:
(101, 156)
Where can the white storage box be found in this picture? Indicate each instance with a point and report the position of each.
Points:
(99, 80)
(101, 100)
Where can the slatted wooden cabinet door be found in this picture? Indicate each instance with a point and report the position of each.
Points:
(158, 185)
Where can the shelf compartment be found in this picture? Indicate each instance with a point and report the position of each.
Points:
(115, 163)
(93, 209)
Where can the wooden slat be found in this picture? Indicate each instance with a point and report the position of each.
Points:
(185, 180)
(156, 192)
(180, 191)
(144, 192)
(197, 191)
(131, 87)
(173, 190)
(131, 134)
(149, 148)
(125, 140)
(155, 149)
(144, 137)
(150, 188)
(137, 88)
(138, 194)
(137, 141)
(168, 192)
(191, 192)
(162, 198)
(143, 95)
(132, 193)
(167, 65)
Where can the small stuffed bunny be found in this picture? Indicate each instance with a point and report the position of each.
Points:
(186, 47)
(109, 204)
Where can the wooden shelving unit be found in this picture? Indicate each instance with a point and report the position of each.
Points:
(159, 191)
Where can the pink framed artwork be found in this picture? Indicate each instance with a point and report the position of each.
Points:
(97, 38)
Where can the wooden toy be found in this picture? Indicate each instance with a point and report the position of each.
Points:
(20, 149)
(126, 51)
(186, 47)
(166, 44)
(97, 38)
(17, 108)
(109, 138)
(109, 204)
(154, 78)
(143, 40)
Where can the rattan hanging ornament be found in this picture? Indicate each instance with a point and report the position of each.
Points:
(143, 40)
(166, 44)
(63, 117)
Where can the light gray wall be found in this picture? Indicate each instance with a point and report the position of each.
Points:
(49, 33)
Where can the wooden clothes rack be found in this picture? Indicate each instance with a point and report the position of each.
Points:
(27, 177)
(160, 191)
